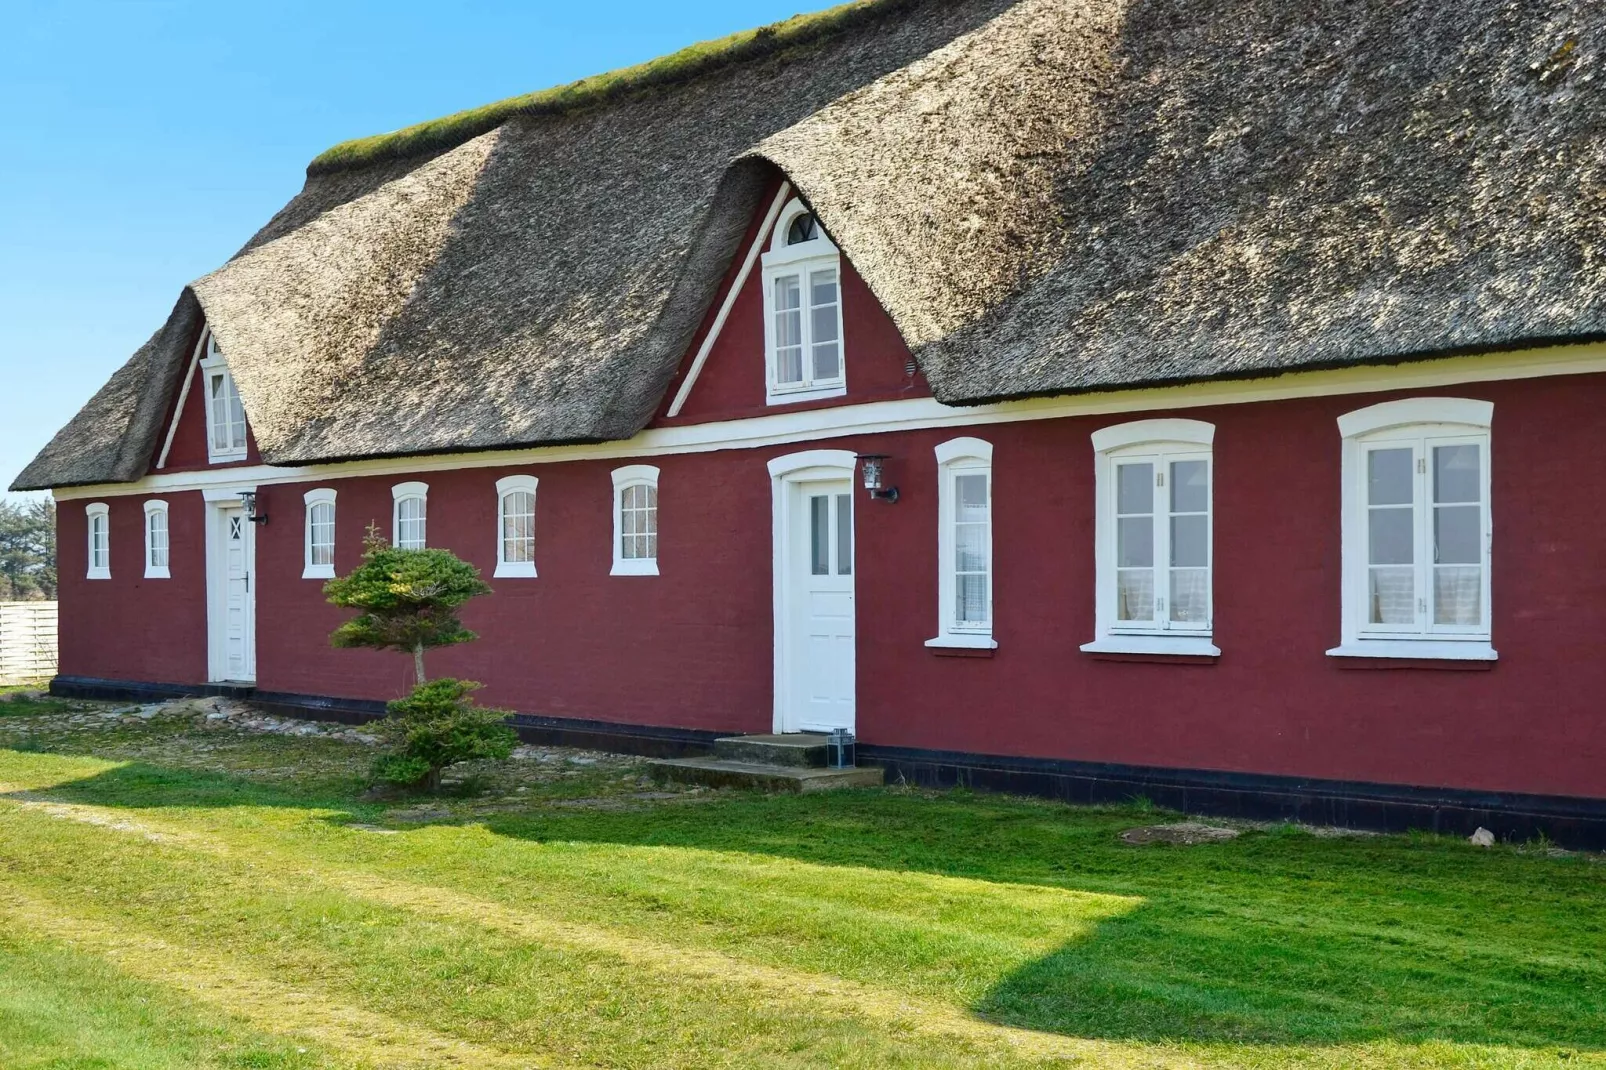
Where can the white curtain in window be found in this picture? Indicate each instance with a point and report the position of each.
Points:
(321, 533)
(156, 538)
(410, 519)
(638, 522)
(518, 527)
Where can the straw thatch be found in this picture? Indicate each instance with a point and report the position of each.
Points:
(1047, 196)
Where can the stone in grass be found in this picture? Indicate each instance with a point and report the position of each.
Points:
(1184, 833)
(1481, 838)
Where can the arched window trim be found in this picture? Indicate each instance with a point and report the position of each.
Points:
(801, 262)
(956, 458)
(633, 475)
(505, 487)
(402, 492)
(97, 541)
(158, 553)
(309, 569)
(1160, 442)
(1420, 425)
(214, 366)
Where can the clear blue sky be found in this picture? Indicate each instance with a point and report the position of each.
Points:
(142, 141)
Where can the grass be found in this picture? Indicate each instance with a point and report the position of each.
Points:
(449, 131)
(176, 893)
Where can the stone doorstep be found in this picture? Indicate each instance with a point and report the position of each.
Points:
(722, 773)
(794, 749)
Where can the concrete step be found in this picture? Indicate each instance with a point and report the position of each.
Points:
(723, 773)
(794, 748)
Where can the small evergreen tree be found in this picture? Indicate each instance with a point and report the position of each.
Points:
(436, 726)
(408, 599)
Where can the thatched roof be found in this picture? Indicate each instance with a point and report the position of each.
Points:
(1047, 196)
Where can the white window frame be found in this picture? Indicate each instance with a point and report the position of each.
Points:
(157, 507)
(98, 512)
(313, 498)
(633, 475)
(1420, 423)
(781, 260)
(505, 486)
(1159, 442)
(961, 457)
(408, 492)
(212, 366)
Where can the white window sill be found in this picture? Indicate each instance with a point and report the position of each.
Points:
(153, 572)
(515, 570)
(221, 458)
(635, 566)
(1417, 649)
(964, 641)
(98, 574)
(791, 395)
(1185, 645)
(318, 572)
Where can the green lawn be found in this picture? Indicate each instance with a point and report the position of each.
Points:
(178, 893)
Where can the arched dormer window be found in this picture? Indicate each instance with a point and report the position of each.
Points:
(225, 416)
(803, 352)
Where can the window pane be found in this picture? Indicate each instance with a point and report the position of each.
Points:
(970, 499)
(236, 418)
(1134, 542)
(1190, 541)
(321, 527)
(1458, 535)
(1390, 534)
(220, 414)
(827, 364)
(1391, 596)
(1458, 595)
(1134, 488)
(1134, 594)
(844, 535)
(518, 527)
(822, 289)
(970, 547)
(1456, 474)
(1190, 595)
(1190, 486)
(789, 329)
(820, 535)
(970, 599)
(1388, 477)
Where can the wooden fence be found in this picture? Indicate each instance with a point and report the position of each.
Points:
(27, 640)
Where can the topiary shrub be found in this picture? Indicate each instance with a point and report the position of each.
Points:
(436, 726)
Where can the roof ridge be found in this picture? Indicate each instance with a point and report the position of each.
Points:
(683, 65)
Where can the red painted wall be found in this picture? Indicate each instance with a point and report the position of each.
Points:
(189, 440)
(731, 383)
(693, 647)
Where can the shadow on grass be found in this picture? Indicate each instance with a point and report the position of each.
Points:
(1277, 938)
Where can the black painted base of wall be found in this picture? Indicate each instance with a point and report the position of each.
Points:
(1567, 821)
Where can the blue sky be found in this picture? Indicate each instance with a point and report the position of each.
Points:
(145, 140)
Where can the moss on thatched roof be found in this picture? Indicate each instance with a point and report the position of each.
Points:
(436, 135)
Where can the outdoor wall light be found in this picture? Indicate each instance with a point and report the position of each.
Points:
(874, 470)
(248, 502)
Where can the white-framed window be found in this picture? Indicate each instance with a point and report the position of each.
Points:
(225, 416)
(97, 517)
(964, 544)
(635, 520)
(802, 282)
(1417, 530)
(1154, 552)
(156, 541)
(515, 526)
(410, 512)
(318, 540)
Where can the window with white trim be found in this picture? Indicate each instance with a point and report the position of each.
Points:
(802, 283)
(515, 525)
(225, 416)
(1417, 530)
(1155, 544)
(318, 557)
(635, 520)
(156, 541)
(409, 514)
(98, 531)
(964, 544)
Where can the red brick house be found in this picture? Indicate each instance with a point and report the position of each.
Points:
(1207, 348)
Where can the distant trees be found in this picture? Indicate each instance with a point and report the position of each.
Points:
(27, 550)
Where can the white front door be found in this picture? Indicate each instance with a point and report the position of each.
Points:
(821, 607)
(232, 596)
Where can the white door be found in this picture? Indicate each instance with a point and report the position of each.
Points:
(234, 597)
(822, 624)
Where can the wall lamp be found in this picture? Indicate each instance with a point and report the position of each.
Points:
(874, 471)
(248, 502)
